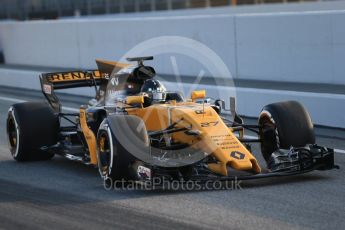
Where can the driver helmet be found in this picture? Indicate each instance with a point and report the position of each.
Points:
(155, 90)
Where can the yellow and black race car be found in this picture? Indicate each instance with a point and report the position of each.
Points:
(134, 129)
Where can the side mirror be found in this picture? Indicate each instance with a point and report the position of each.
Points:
(198, 94)
(132, 100)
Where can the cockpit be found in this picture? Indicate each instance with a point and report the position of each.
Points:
(137, 80)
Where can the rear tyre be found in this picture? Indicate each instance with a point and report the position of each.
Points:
(284, 125)
(30, 126)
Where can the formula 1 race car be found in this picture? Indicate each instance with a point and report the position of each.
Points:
(134, 129)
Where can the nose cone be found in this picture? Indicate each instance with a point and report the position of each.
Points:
(219, 140)
(238, 158)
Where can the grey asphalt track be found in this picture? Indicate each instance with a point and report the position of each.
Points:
(60, 194)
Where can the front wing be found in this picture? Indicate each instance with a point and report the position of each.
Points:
(283, 163)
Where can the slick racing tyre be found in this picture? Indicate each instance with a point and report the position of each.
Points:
(284, 125)
(114, 159)
(31, 126)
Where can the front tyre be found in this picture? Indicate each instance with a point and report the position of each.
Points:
(112, 160)
(284, 125)
(113, 155)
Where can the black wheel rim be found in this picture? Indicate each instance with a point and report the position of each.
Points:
(104, 154)
(12, 135)
(267, 137)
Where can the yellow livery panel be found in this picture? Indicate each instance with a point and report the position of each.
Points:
(215, 137)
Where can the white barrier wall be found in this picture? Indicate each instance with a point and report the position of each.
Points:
(300, 47)
(76, 43)
(40, 43)
(297, 47)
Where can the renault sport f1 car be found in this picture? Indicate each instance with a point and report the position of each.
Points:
(134, 129)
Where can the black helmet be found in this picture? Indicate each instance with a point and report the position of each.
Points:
(155, 89)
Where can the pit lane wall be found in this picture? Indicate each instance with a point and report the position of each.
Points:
(306, 47)
(295, 47)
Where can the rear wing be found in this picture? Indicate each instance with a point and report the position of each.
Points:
(70, 79)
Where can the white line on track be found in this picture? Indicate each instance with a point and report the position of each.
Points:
(11, 99)
(339, 151)
(15, 100)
